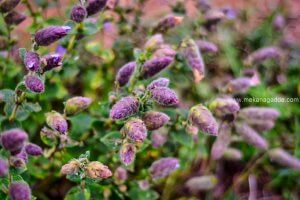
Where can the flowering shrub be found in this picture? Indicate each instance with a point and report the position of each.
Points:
(105, 102)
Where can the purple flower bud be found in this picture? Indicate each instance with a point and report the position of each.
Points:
(192, 130)
(70, 168)
(120, 174)
(263, 54)
(154, 66)
(154, 42)
(202, 118)
(144, 184)
(97, 170)
(52, 61)
(239, 85)
(259, 113)
(47, 36)
(34, 84)
(8, 5)
(57, 122)
(168, 22)
(201, 183)
(78, 13)
(160, 82)
(77, 104)
(127, 153)
(155, 120)
(164, 96)
(163, 167)
(32, 61)
(14, 18)
(126, 107)
(13, 140)
(136, 130)
(95, 6)
(207, 47)
(261, 125)
(3, 167)
(33, 149)
(158, 139)
(282, 157)
(224, 106)
(229, 12)
(232, 154)
(19, 191)
(279, 22)
(192, 54)
(60, 50)
(222, 141)
(125, 72)
(19, 160)
(251, 136)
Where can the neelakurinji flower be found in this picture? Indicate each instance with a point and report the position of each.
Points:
(158, 139)
(164, 96)
(47, 36)
(160, 82)
(163, 167)
(57, 122)
(261, 125)
(125, 72)
(51, 61)
(154, 42)
(284, 158)
(154, 66)
(263, 54)
(202, 118)
(120, 174)
(127, 153)
(155, 120)
(8, 5)
(125, 107)
(224, 106)
(78, 13)
(33, 149)
(19, 191)
(97, 170)
(95, 6)
(34, 84)
(70, 168)
(77, 104)
(201, 183)
(232, 154)
(206, 46)
(259, 113)
(32, 61)
(135, 129)
(239, 85)
(13, 140)
(14, 18)
(3, 167)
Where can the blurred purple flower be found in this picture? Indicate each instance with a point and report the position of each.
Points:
(207, 47)
(154, 66)
(13, 140)
(163, 167)
(155, 120)
(3, 168)
(168, 22)
(77, 104)
(19, 191)
(125, 72)
(160, 82)
(282, 157)
(33, 149)
(127, 153)
(57, 122)
(158, 139)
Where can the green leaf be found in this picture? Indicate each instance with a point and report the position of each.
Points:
(32, 107)
(77, 193)
(7, 96)
(6, 124)
(112, 139)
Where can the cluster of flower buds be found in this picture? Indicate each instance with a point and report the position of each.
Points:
(168, 22)
(201, 183)
(84, 168)
(11, 17)
(265, 53)
(163, 167)
(19, 191)
(201, 118)
(207, 47)
(16, 142)
(193, 57)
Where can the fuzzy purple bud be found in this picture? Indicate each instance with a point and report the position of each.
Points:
(8, 5)
(125, 107)
(47, 36)
(14, 18)
(154, 66)
(120, 174)
(279, 22)
(97, 170)
(33, 149)
(57, 122)
(207, 47)
(224, 106)
(95, 6)
(160, 82)
(78, 13)
(164, 50)
(19, 160)
(201, 183)
(168, 22)
(282, 157)
(19, 191)
(202, 118)
(261, 125)
(259, 113)
(158, 139)
(52, 61)
(263, 54)
(3, 167)
(163, 167)
(192, 55)
(77, 104)
(125, 72)
(34, 84)
(164, 96)
(155, 120)
(222, 141)
(13, 140)
(32, 61)
(251, 136)
(136, 130)
(239, 85)
(127, 153)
